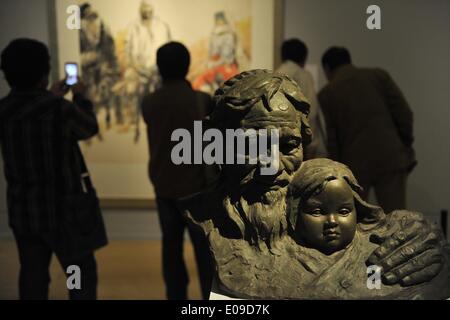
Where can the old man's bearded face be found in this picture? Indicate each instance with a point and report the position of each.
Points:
(259, 198)
(263, 196)
(284, 118)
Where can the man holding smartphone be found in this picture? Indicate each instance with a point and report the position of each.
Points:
(52, 206)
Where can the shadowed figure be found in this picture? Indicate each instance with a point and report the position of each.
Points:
(294, 54)
(52, 205)
(176, 106)
(369, 127)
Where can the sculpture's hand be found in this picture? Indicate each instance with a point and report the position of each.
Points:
(410, 251)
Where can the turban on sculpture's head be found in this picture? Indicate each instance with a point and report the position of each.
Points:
(259, 96)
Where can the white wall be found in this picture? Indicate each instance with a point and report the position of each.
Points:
(414, 47)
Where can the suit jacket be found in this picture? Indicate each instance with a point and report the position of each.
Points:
(369, 122)
(175, 106)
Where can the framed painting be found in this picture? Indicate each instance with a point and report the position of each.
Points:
(114, 43)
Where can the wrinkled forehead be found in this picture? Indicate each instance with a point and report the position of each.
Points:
(263, 83)
(259, 99)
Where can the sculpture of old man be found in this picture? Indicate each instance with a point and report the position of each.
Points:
(244, 212)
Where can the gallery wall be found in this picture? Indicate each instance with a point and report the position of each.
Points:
(413, 45)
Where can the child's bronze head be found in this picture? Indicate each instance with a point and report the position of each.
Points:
(324, 206)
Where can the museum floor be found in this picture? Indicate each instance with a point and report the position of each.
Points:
(128, 269)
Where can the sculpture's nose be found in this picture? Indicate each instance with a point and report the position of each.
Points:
(331, 220)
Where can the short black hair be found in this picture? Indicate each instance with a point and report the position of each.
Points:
(295, 50)
(24, 62)
(335, 57)
(173, 61)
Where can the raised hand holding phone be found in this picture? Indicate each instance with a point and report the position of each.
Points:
(59, 88)
(78, 88)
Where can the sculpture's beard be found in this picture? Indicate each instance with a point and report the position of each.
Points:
(257, 204)
(265, 220)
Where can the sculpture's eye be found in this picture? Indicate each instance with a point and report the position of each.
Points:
(344, 211)
(316, 212)
(290, 145)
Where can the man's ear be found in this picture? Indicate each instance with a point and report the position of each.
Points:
(305, 131)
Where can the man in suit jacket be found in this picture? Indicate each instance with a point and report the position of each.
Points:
(369, 127)
(176, 106)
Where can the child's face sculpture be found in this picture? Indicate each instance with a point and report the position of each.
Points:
(327, 221)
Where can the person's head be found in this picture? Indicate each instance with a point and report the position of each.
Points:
(294, 50)
(333, 58)
(173, 61)
(90, 24)
(26, 64)
(220, 18)
(146, 10)
(324, 205)
(260, 99)
(87, 12)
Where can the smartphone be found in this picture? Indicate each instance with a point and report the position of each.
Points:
(71, 69)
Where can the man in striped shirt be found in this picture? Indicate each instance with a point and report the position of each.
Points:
(43, 165)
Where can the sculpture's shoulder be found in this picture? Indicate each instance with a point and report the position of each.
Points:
(209, 210)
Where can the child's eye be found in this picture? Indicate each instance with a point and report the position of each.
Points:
(344, 211)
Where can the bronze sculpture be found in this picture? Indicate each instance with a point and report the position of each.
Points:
(251, 220)
(326, 213)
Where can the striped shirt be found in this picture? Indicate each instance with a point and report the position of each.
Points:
(39, 134)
